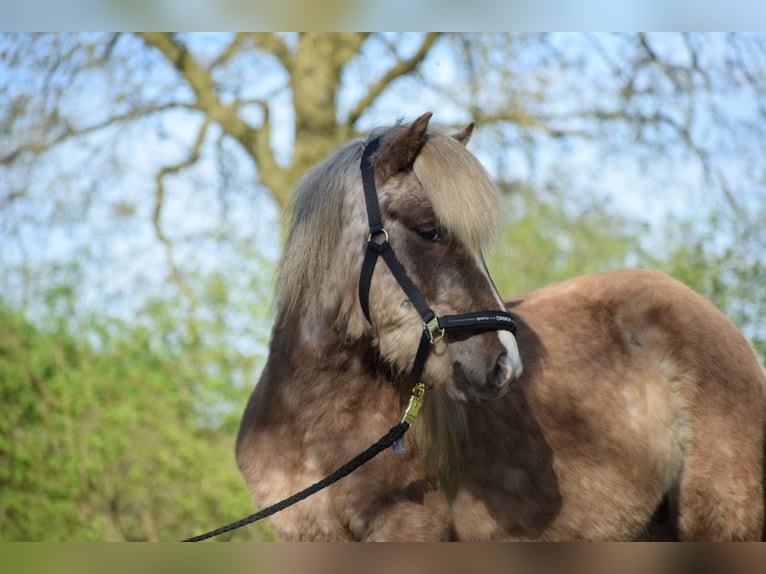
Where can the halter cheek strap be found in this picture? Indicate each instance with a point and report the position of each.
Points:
(434, 326)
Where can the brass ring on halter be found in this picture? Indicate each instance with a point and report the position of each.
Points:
(385, 238)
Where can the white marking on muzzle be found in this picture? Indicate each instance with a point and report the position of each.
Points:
(506, 338)
(508, 341)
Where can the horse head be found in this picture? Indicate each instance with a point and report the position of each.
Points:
(440, 210)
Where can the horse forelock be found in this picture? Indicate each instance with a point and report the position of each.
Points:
(316, 227)
(464, 199)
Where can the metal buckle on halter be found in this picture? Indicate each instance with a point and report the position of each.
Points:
(435, 333)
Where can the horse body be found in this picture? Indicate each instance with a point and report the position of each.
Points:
(634, 389)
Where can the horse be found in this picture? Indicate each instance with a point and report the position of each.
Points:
(625, 406)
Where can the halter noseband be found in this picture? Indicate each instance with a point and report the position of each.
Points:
(434, 325)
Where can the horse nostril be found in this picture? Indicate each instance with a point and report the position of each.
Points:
(503, 370)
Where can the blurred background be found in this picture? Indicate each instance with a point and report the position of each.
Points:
(143, 184)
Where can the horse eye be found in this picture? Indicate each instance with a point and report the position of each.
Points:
(429, 233)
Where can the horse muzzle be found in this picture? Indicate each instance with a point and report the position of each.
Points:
(475, 383)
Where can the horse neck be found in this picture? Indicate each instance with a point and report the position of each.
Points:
(318, 367)
(315, 363)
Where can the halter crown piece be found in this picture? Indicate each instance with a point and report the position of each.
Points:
(434, 325)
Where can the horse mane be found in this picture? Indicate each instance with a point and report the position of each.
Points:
(315, 226)
(441, 436)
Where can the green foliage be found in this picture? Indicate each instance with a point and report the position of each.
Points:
(104, 435)
(545, 240)
(723, 260)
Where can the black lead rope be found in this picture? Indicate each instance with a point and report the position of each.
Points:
(385, 442)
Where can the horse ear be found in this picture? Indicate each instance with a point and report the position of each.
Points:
(465, 134)
(405, 145)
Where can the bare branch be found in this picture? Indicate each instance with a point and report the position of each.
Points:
(595, 42)
(537, 122)
(401, 68)
(159, 199)
(743, 64)
(70, 132)
(230, 51)
(255, 141)
(682, 77)
(198, 78)
(711, 173)
(274, 44)
(695, 64)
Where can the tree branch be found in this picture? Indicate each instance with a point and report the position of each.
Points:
(255, 141)
(70, 132)
(159, 199)
(230, 51)
(401, 68)
(270, 42)
(680, 76)
(537, 122)
(605, 56)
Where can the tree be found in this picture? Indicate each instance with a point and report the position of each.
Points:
(317, 90)
(245, 111)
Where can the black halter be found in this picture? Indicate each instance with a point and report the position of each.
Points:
(434, 325)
